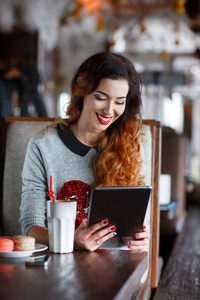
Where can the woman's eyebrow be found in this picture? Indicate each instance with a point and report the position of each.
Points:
(123, 97)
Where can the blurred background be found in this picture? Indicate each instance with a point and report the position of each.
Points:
(42, 42)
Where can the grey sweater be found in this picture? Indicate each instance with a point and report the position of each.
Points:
(60, 155)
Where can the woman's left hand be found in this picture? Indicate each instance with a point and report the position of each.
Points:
(141, 240)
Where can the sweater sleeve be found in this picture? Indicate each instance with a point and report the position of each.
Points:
(34, 188)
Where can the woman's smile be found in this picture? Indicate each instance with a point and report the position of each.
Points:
(103, 119)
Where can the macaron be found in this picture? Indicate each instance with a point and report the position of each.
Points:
(23, 243)
(6, 244)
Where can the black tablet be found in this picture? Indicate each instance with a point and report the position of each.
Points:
(124, 207)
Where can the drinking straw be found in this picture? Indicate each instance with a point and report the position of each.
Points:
(50, 193)
(50, 182)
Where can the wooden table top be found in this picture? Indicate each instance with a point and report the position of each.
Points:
(180, 278)
(103, 274)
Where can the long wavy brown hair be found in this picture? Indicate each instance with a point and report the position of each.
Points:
(117, 162)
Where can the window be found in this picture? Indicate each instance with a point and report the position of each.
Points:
(63, 103)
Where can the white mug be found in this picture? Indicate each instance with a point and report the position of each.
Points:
(61, 217)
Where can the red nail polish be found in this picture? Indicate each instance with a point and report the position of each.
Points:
(113, 228)
(137, 235)
(144, 226)
(105, 222)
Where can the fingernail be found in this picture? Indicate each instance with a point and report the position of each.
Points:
(113, 228)
(114, 233)
(130, 242)
(105, 222)
(144, 227)
(137, 235)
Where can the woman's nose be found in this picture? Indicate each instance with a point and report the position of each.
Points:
(108, 109)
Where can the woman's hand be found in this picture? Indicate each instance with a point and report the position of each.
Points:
(142, 240)
(93, 237)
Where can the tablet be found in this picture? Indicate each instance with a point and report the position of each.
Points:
(123, 207)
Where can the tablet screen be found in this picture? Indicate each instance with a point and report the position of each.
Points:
(123, 207)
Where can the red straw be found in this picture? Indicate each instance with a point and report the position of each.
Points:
(50, 182)
(50, 193)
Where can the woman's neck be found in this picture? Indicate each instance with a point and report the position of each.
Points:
(85, 136)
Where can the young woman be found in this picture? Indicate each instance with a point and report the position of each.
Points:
(97, 144)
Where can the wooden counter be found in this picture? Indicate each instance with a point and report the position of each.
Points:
(103, 274)
(181, 276)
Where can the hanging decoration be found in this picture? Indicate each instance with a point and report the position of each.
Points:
(179, 7)
(96, 8)
(100, 21)
(75, 13)
(177, 35)
(164, 54)
(111, 42)
(142, 25)
(93, 7)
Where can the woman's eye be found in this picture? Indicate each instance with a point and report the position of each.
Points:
(99, 97)
(120, 102)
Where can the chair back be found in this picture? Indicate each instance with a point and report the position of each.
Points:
(18, 134)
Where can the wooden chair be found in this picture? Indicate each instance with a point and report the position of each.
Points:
(153, 137)
(15, 134)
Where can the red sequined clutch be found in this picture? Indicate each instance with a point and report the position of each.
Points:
(83, 191)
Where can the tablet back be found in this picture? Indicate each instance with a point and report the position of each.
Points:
(124, 207)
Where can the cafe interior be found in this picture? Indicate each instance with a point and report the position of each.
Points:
(42, 42)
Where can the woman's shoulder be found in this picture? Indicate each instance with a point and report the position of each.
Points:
(55, 128)
(45, 136)
(44, 131)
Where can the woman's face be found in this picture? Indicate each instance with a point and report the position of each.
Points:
(105, 105)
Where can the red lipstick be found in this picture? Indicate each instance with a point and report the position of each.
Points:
(103, 119)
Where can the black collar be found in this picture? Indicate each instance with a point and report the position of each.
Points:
(71, 142)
